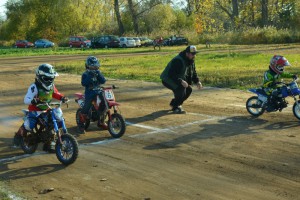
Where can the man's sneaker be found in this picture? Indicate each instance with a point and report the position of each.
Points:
(179, 110)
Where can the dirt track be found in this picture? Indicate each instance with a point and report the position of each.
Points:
(216, 151)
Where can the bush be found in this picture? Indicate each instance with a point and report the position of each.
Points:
(266, 35)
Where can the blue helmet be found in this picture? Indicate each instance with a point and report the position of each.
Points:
(92, 63)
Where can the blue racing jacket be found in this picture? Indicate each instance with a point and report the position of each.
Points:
(91, 79)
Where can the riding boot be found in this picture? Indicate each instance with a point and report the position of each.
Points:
(18, 135)
(101, 122)
(82, 120)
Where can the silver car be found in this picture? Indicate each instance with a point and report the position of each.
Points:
(43, 43)
(137, 41)
(127, 42)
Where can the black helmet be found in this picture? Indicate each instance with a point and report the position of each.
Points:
(92, 63)
(45, 75)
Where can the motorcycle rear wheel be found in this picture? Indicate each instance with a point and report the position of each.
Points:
(87, 121)
(296, 110)
(254, 106)
(116, 125)
(29, 142)
(67, 152)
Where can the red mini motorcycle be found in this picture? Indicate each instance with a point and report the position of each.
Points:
(115, 121)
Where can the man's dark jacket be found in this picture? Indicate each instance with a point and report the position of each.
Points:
(180, 68)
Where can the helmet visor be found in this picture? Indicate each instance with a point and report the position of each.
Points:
(47, 79)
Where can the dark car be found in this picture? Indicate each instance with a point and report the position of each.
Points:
(43, 43)
(79, 41)
(23, 44)
(176, 41)
(105, 41)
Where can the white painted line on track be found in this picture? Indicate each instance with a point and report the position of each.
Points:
(142, 126)
(171, 128)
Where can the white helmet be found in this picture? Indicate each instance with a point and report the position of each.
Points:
(45, 75)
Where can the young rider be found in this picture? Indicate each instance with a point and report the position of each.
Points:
(42, 90)
(92, 78)
(271, 84)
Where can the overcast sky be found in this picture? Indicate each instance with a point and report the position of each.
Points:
(2, 8)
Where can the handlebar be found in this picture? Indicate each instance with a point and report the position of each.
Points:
(105, 88)
(53, 104)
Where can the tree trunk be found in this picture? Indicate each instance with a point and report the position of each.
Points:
(264, 12)
(118, 16)
(235, 8)
(134, 17)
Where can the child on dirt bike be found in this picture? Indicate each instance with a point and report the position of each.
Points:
(271, 84)
(91, 79)
(42, 90)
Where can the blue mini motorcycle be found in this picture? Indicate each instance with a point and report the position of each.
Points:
(51, 127)
(257, 105)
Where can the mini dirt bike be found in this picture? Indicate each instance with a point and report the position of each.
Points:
(257, 105)
(51, 127)
(116, 123)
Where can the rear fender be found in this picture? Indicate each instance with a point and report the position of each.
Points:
(113, 103)
(79, 95)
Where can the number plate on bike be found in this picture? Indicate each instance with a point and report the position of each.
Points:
(109, 95)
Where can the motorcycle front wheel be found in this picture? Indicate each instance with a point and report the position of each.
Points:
(296, 109)
(254, 106)
(67, 152)
(116, 125)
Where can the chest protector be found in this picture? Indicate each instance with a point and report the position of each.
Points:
(45, 96)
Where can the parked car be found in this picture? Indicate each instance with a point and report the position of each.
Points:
(127, 42)
(146, 41)
(105, 41)
(43, 43)
(79, 41)
(137, 42)
(176, 41)
(23, 44)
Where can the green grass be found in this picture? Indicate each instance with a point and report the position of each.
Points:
(227, 70)
(11, 52)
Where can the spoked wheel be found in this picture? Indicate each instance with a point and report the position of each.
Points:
(87, 121)
(116, 125)
(67, 152)
(296, 109)
(29, 142)
(254, 106)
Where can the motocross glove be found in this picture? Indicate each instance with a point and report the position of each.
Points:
(35, 101)
(295, 77)
(64, 99)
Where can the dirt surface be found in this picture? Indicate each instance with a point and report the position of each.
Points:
(215, 151)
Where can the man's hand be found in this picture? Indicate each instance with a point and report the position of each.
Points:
(184, 84)
(199, 85)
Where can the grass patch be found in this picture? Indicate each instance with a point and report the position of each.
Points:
(11, 52)
(7, 195)
(226, 70)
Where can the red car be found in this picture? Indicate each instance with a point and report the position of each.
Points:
(23, 44)
(79, 41)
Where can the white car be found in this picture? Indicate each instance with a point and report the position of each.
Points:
(127, 42)
(137, 41)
